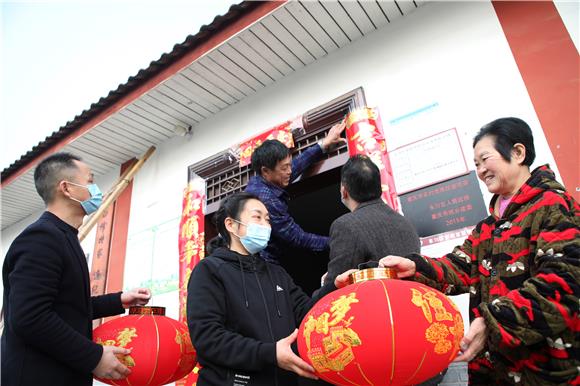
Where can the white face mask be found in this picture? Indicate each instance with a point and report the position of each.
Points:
(256, 238)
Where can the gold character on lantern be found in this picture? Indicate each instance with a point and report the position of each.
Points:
(338, 338)
(457, 331)
(340, 307)
(183, 340)
(437, 305)
(318, 325)
(427, 301)
(437, 333)
(124, 337)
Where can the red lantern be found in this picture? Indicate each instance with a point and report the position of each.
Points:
(161, 348)
(380, 331)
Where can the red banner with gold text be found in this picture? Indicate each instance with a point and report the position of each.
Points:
(191, 249)
(364, 132)
(282, 133)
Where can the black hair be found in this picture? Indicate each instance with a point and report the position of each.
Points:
(51, 171)
(268, 154)
(507, 132)
(361, 178)
(232, 206)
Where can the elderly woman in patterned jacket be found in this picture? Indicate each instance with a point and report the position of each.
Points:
(520, 265)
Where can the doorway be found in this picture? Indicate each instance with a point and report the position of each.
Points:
(314, 205)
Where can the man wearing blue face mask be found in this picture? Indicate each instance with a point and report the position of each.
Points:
(93, 202)
(48, 308)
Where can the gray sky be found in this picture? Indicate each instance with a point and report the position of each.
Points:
(58, 57)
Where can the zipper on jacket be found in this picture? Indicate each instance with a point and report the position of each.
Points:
(269, 324)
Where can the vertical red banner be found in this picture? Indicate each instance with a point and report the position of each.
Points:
(364, 132)
(191, 248)
(101, 252)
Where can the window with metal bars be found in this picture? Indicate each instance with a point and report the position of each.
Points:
(224, 176)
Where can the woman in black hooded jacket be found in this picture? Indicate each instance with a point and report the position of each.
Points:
(242, 312)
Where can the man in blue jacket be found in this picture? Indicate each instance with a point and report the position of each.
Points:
(48, 308)
(275, 169)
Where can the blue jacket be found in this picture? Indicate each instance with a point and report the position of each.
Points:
(285, 231)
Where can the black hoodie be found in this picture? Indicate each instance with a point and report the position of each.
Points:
(238, 307)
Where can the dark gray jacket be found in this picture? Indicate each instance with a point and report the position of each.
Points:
(370, 232)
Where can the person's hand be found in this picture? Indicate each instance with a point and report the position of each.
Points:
(109, 366)
(333, 137)
(135, 297)
(403, 266)
(343, 279)
(474, 341)
(287, 360)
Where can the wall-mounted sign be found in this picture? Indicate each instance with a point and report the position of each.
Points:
(428, 161)
(461, 233)
(415, 121)
(446, 206)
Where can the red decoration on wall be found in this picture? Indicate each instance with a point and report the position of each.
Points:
(364, 132)
(100, 265)
(282, 133)
(381, 332)
(161, 348)
(191, 248)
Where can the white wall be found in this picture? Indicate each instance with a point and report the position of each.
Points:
(569, 11)
(453, 53)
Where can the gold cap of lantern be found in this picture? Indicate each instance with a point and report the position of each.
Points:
(372, 274)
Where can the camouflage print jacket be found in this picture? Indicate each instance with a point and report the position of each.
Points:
(523, 275)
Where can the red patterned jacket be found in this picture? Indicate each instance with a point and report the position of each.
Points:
(523, 275)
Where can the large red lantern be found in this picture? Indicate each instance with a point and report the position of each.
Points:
(380, 331)
(161, 348)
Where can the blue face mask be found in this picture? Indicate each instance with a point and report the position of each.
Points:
(94, 202)
(256, 238)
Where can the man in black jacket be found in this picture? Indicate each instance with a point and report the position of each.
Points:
(372, 229)
(48, 308)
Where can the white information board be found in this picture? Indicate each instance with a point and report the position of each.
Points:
(427, 161)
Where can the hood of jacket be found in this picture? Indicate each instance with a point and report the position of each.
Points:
(248, 263)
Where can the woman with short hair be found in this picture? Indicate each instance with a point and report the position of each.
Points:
(520, 265)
